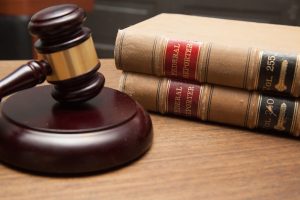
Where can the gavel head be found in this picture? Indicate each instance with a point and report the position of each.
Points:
(68, 48)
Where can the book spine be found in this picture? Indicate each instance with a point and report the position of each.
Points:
(213, 103)
(205, 62)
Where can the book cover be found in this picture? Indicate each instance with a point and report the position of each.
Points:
(213, 103)
(248, 55)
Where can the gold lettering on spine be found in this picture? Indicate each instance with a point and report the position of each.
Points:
(189, 101)
(177, 103)
(280, 86)
(268, 113)
(270, 68)
(175, 59)
(281, 119)
(187, 60)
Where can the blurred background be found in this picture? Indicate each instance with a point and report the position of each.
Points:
(106, 17)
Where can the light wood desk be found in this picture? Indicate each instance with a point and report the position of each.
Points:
(188, 160)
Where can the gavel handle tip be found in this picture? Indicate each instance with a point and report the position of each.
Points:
(26, 76)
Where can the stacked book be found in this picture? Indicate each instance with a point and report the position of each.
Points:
(239, 73)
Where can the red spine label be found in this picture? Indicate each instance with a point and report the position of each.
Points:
(183, 98)
(181, 59)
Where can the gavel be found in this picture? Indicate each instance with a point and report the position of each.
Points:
(91, 128)
(66, 57)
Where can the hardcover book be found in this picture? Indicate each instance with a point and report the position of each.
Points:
(248, 55)
(213, 103)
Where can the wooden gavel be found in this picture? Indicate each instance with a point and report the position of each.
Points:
(41, 135)
(66, 57)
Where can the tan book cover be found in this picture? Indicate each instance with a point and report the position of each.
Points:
(213, 103)
(249, 55)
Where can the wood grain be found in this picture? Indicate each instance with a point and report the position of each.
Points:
(188, 160)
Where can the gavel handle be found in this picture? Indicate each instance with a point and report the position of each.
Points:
(26, 76)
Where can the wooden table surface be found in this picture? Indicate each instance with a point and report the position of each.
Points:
(188, 160)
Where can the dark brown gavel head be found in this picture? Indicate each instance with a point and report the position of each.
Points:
(108, 131)
(68, 48)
